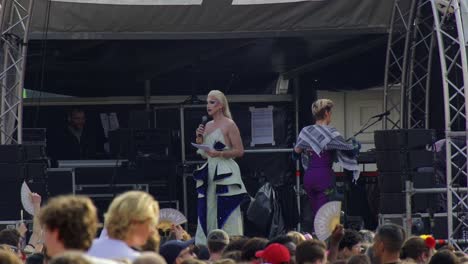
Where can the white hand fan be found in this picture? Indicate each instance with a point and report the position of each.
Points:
(326, 219)
(172, 216)
(26, 199)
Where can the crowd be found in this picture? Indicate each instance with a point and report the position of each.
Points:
(65, 232)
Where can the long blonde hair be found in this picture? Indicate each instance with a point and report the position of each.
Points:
(223, 100)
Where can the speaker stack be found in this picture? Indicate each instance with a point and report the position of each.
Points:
(19, 163)
(402, 155)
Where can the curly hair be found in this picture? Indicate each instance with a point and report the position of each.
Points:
(75, 219)
(127, 208)
(350, 239)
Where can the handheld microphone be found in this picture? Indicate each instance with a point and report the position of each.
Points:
(204, 120)
(381, 114)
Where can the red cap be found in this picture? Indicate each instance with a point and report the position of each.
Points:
(274, 254)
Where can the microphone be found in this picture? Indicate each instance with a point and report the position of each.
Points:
(204, 120)
(381, 114)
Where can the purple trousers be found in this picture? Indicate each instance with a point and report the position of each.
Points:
(319, 179)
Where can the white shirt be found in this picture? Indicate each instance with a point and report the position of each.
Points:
(109, 248)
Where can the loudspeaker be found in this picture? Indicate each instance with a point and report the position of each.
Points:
(395, 203)
(395, 181)
(399, 139)
(21, 153)
(398, 161)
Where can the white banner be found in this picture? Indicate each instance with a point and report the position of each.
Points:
(261, 2)
(135, 2)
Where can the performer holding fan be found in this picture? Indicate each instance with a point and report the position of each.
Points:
(321, 145)
(219, 185)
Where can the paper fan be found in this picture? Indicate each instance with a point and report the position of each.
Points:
(26, 199)
(326, 219)
(169, 216)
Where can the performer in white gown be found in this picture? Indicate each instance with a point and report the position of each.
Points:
(218, 182)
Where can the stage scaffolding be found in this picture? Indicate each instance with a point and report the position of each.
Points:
(14, 25)
(418, 27)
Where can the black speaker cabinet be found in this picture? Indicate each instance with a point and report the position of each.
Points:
(21, 153)
(395, 203)
(397, 139)
(399, 161)
(391, 182)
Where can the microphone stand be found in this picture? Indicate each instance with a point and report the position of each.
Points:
(366, 126)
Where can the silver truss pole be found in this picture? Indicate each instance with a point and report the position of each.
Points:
(15, 20)
(454, 67)
(419, 74)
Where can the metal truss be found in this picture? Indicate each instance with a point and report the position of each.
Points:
(453, 60)
(408, 65)
(14, 25)
(420, 65)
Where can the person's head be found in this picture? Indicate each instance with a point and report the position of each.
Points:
(132, 217)
(149, 258)
(252, 246)
(350, 245)
(296, 237)
(444, 257)
(359, 259)
(8, 257)
(322, 110)
(311, 252)
(11, 238)
(77, 118)
(70, 257)
(152, 244)
(225, 261)
(415, 248)
(236, 243)
(217, 102)
(70, 222)
(176, 251)
(388, 241)
(367, 236)
(286, 241)
(275, 254)
(201, 251)
(217, 241)
(235, 255)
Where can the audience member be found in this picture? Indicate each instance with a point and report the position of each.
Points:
(296, 237)
(415, 249)
(311, 252)
(350, 244)
(217, 242)
(388, 241)
(444, 257)
(131, 219)
(176, 251)
(236, 243)
(235, 255)
(251, 247)
(286, 241)
(275, 254)
(8, 257)
(201, 251)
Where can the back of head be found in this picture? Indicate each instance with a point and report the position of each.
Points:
(296, 237)
(320, 107)
(127, 208)
(392, 236)
(70, 257)
(359, 259)
(225, 261)
(75, 219)
(10, 237)
(8, 257)
(149, 258)
(217, 241)
(350, 239)
(252, 246)
(235, 255)
(444, 257)
(310, 251)
(367, 236)
(413, 248)
(236, 243)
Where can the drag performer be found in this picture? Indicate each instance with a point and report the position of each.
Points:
(321, 145)
(218, 182)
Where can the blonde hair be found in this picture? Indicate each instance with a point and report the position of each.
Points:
(8, 257)
(70, 257)
(223, 100)
(128, 207)
(321, 106)
(296, 237)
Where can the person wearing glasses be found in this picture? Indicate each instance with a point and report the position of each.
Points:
(219, 184)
